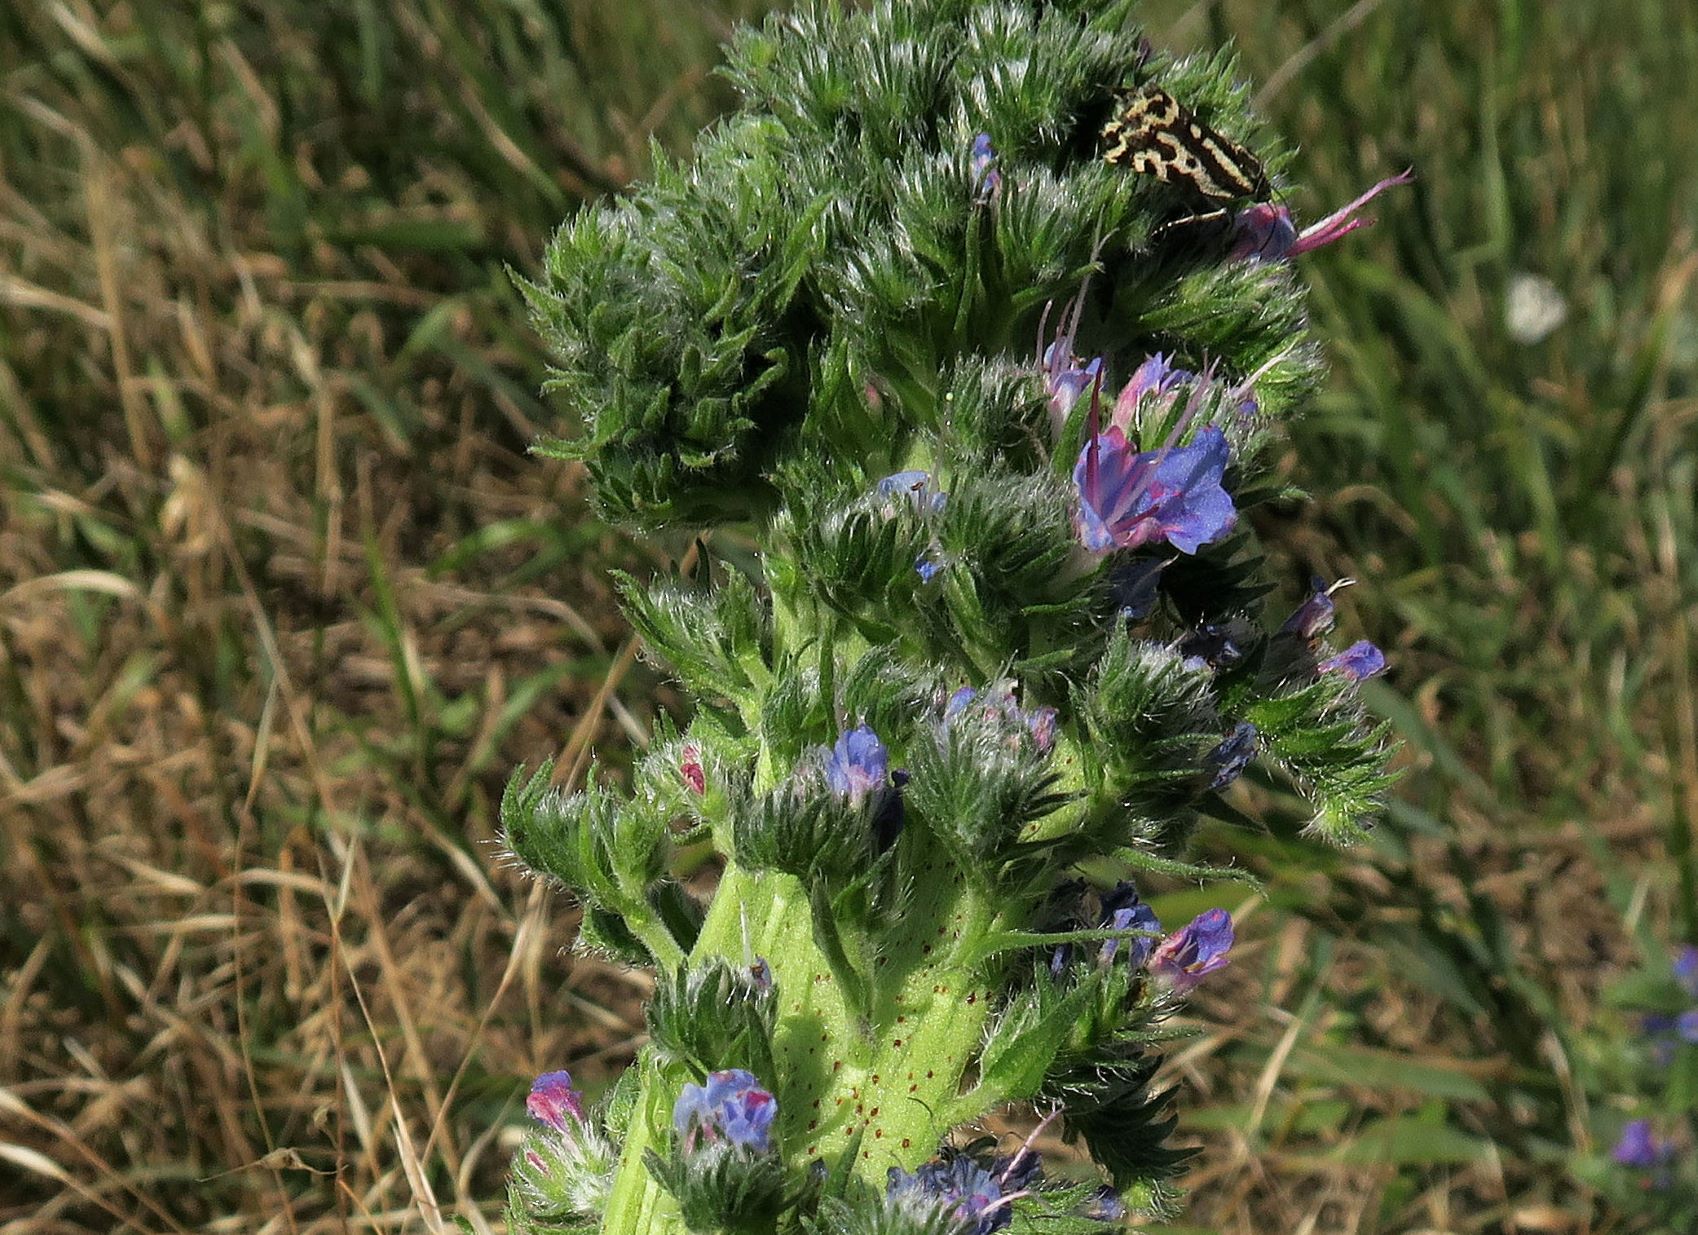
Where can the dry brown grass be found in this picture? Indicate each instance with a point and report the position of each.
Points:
(283, 602)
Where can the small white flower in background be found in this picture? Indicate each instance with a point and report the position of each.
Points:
(1532, 308)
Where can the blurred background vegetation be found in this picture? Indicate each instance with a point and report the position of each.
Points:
(283, 601)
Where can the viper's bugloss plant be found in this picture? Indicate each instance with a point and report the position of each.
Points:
(994, 412)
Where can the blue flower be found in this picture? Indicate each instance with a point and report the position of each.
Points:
(1639, 1146)
(982, 167)
(1105, 1205)
(1264, 232)
(1686, 1026)
(959, 1188)
(553, 1101)
(1686, 970)
(916, 485)
(1358, 662)
(858, 765)
(1124, 910)
(1127, 498)
(732, 1107)
(1233, 754)
(1190, 954)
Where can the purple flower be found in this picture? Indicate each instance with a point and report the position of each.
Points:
(1123, 910)
(858, 765)
(1190, 954)
(1358, 662)
(1641, 1147)
(732, 1106)
(959, 1188)
(553, 1101)
(1158, 381)
(982, 167)
(1686, 1026)
(1067, 380)
(1155, 379)
(1233, 754)
(999, 700)
(1127, 498)
(1686, 970)
(760, 974)
(1105, 1205)
(1314, 617)
(1264, 232)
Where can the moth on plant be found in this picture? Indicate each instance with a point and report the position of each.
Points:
(1154, 134)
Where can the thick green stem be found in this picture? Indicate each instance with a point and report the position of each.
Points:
(893, 1082)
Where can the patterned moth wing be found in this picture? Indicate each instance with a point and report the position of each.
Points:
(1155, 135)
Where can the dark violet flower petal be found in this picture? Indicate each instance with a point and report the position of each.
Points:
(1686, 1025)
(732, 1106)
(1127, 499)
(1358, 662)
(1655, 1024)
(1214, 645)
(1190, 954)
(1123, 909)
(1314, 617)
(959, 1188)
(553, 1101)
(1229, 759)
(1135, 586)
